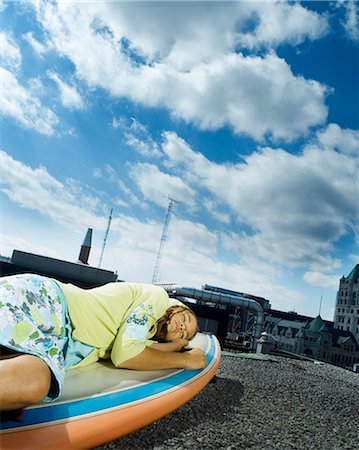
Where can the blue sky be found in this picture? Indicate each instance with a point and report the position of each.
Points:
(245, 112)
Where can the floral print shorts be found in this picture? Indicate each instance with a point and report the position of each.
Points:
(32, 319)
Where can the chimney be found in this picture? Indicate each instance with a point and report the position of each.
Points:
(85, 247)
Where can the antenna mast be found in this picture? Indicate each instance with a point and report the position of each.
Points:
(163, 239)
(105, 238)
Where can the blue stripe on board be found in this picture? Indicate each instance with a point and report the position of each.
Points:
(105, 401)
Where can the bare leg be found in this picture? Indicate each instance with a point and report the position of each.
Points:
(24, 380)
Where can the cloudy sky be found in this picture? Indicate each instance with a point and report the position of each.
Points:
(246, 113)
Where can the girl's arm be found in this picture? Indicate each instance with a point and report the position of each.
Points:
(151, 359)
(170, 346)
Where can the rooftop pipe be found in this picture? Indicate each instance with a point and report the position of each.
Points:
(174, 290)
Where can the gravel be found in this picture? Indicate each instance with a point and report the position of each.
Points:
(277, 403)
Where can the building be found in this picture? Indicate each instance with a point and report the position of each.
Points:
(79, 273)
(346, 316)
(313, 338)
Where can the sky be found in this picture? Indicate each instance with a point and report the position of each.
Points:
(245, 113)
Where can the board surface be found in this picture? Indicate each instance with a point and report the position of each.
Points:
(101, 403)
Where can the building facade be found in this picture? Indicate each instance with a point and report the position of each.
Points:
(315, 339)
(346, 316)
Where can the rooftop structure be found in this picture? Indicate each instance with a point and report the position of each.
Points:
(79, 273)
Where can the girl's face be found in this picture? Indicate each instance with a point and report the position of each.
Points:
(182, 325)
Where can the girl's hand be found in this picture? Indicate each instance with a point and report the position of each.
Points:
(181, 343)
(174, 346)
(195, 359)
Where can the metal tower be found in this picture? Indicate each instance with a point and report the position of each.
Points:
(105, 238)
(163, 239)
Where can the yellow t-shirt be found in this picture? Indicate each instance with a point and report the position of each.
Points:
(118, 319)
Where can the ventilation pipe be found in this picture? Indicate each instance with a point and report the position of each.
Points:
(85, 248)
(201, 295)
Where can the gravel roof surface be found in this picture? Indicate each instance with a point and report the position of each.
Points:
(277, 403)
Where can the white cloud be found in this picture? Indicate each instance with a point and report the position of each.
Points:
(20, 104)
(37, 46)
(355, 258)
(258, 96)
(144, 148)
(35, 86)
(137, 137)
(36, 189)
(212, 208)
(10, 52)
(70, 98)
(343, 140)
(97, 172)
(185, 32)
(157, 186)
(128, 197)
(351, 23)
(8, 243)
(296, 205)
(280, 22)
(320, 279)
(216, 87)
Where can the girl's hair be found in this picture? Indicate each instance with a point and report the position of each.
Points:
(161, 333)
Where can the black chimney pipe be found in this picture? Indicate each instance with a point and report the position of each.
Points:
(86, 247)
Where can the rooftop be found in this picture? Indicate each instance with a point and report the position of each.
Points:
(354, 274)
(317, 324)
(261, 404)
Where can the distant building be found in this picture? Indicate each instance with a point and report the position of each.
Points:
(346, 316)
(314, 338)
